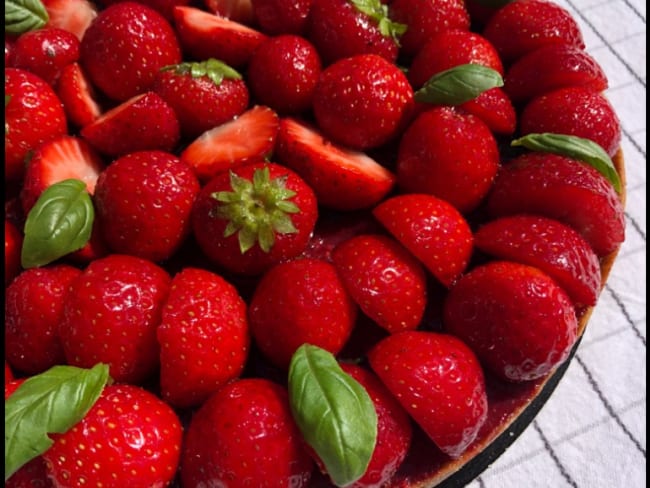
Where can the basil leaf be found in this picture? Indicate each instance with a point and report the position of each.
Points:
(334, 413)
(458, 85)
(574, 147)
(24, 15)
(50, 402)
(60, 222)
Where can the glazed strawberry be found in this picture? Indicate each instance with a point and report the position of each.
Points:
(432, 230)
(144, 122)
(384, 279)
(203, 336)
(111, 315)
(362, 101)
(254, 216)
(550, 68)
(283, 72)
(9, 376)
(521, 27)
(80, 100)
(33, 312)
(60, 159)
(562, 188)
(522, 325)
(495, 109)
(71, 15)
(203, 94)
(125, 46)
(341, 178)
(33, 115)
(549, 245)
(128, 438)
(450, 154)
(247, 138)
(144, 201)
(9, 51)
(344, 28)
(165, 7)
(591, 116)
(297, 302)
(439, 382)
(45, 52)
(277, 17)
(245, 435)
(13, 245)
(204, 35)
(237, 10)
(423, 20)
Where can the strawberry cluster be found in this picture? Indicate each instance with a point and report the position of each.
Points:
(269, 242)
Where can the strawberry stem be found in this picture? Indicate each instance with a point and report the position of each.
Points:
(214, 69)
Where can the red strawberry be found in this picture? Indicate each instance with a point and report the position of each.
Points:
(33, 115)
(495, 109)
(424, 19)
(13, 246)
(549, 245)
(125, 46)
(237, 10)
(521, 27)
(144, 122)
(203, 94)
(297, 302)
(432, 229)
(254, 216)
(247, 138)
(165, 7)
(203, 336)
(45, 52)
(79, 98)
(245, 435)
(59, 159)
(341, 178)
(439, 382)
(144, 201)
(277, 17)
(450, 154)
(111, 315)
(516, 318)
(33, 312)
(9, 376)
(128, 438)
(344, 28)
(204, 35)
(565, 189)
(362, 101)
(283, 72)
(384, 279)
(9, 51)
(550, 68)
(591, 116)
(71, 15)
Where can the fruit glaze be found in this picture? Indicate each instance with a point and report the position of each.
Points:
(306, 243)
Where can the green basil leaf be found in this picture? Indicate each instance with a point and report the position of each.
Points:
(50, 402)
(60, 222)
(574, 147)
(334, 413)
(24, 15)
(458, 85)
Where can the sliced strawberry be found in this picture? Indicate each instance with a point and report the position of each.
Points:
(144, 122)
(237, 10)
(57, 160)
(204, 35)
(78, 96)
(71, 15)
(248, 137)
(342, 179)
(165, 7)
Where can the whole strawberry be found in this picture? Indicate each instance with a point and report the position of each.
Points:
(125, 46)
(244, 435)
(13, 245)
(254, 216)
(203, 337)
(277, 17)
(144, 201)
(522, 325)
(128, 438)
(439, 382)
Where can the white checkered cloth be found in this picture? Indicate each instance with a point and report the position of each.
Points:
(592, 431)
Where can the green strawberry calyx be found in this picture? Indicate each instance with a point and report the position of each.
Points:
(214, 69)
(256, 210)
(378, 12)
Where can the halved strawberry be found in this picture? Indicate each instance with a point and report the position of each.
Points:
(78, 96)
(204, 35)
(341, 178)
(57, 160)
(246, 138)
(72, 15)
